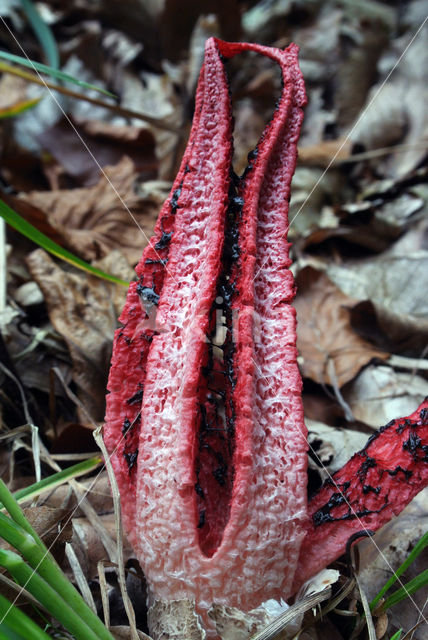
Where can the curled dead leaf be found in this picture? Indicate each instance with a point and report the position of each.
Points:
(399, 115)
(83, 309)
(332, 352)
(333, 446)
(107, 142)
(326, 153)
(95, 220)
(395, 282)
(97, 492)
(88, 544)
(53, 525)
(381, 626)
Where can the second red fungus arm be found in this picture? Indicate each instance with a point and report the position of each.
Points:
(375, 485)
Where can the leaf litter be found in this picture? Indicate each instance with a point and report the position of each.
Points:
(359, 233)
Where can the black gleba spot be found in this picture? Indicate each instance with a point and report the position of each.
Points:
(131, 458)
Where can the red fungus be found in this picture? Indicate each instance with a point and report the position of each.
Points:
(207, 436)
(206, 433)
(376, 484)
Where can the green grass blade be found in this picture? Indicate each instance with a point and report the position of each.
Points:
(411, 587)
(43, 33)
(39, 558)
(115, 108)
(397, 635)
(48, 597)
(16, 625)
(7, 634)
(56, 479)
(418, 548)
(50, 71)
(17, 519)
(18, 108)
(29, 231)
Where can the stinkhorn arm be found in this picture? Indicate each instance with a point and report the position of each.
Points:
(206, 431)
(375, 485)
(132, 342)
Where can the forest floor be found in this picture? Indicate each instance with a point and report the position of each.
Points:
(358, 227)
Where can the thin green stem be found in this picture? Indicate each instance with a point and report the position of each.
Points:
(41, 561)
(17, 516)
(121, 111)
(20, 625)
(47, 596)
(418, 548)
(43, 33)
(56, 479)
(29, 231)
(406, 590)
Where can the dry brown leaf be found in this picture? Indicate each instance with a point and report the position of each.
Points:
(53, 525)
(395, 282)
(360, 49)
(13, 90)
(92, 221)
(154, 94)
(97, 491)
(381, 626)
(390, 218)
(332, 353)
(248, 127)
(83, 309)
(88, 545)
(108, 143)
(333, 445)
(399, 114)
(380, 394)
(206, 25)
(45, 521)
(263, 84)
(326, 153)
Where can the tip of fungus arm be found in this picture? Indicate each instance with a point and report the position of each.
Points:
(373, 486)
